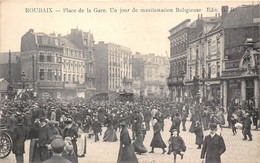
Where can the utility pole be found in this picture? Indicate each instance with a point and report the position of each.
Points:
(10, 68)
(33, 72)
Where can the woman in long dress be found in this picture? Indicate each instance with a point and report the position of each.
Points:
(126, 152)
(157, 141)
(138, 143)
(81, 144)
(110, 134)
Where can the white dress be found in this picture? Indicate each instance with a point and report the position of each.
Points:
(81, 144)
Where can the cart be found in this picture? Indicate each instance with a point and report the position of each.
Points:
(6, 142)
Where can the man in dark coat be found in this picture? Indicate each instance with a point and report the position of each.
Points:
(20, 134)
(147, 119)
(126, 152)
(246, 129)
(57, 148)
(44, 140)
(213, 146)
(175, 123)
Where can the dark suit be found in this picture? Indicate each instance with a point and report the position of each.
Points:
(57, 159)
(213, 147)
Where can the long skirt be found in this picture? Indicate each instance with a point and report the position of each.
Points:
(126, 155)
(34, 154)
(110, 135)
(192, 126)
(157, 141)
(81, 145)
(199, 139)
(138, 144)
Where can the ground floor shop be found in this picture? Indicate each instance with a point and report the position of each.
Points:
(241, 91)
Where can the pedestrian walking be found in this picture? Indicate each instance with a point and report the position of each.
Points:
(199, 134)
(246, 129)
(176, 145)
(126, 152)
(213, 146)
(20, 134)
(157, 141)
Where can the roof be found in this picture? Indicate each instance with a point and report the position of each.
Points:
(2, 79)
(69, 44)
(4, 57)
(242, 16)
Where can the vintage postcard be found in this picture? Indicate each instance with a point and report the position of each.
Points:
(129, 81)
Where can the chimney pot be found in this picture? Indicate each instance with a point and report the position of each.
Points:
(31, 30)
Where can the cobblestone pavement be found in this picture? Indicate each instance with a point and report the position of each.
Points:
(237, 150)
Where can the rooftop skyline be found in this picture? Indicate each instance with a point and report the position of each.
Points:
(144, 32)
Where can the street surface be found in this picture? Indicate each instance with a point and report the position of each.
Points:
(237, 150)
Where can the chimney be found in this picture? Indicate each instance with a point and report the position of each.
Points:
(216, 15)
(31, 30)
(201, 16)
(224, 11)
(198, 16)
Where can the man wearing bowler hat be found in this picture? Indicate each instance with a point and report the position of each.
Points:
(213, 146)
(57, 146)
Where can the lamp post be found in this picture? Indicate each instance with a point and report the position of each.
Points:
(23, 77)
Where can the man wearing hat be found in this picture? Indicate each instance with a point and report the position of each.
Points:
(213, 146)
(246, 129)
(19, 136)
(44, 139)
(57, 146)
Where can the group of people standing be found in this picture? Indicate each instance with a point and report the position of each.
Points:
(48, 123)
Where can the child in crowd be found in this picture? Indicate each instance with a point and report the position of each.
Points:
(177, 144)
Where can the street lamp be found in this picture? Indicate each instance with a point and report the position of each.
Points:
(23, 77)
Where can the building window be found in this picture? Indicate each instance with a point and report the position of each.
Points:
(69, 77)
(77, 77)
(209, 48)
(190, 53)
(41, 56)
(64, 77)
(209, 70)
(203, 71)
(45, 41)
(218, 69)
(202, 50)
(73, 79)
(218, 46)
(56, 75)
(41, 74)
(49, 57)
(49, 74)
(190, 73)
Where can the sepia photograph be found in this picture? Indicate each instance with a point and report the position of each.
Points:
(116, 81)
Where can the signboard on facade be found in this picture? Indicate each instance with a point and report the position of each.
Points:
(45, 95)
(69, 85)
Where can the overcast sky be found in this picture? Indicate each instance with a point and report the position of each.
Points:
(142, 32)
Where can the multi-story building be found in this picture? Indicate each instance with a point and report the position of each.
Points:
(151, 80)
(85, 42)
(15, 66)
(178, 63)
(41, 62)
(204, 60)
(73, 69)
(114, 68)
(240, 77)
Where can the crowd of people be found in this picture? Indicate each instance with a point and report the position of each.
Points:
(58, 128)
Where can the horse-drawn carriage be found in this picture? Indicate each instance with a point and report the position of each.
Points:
(6, 142)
